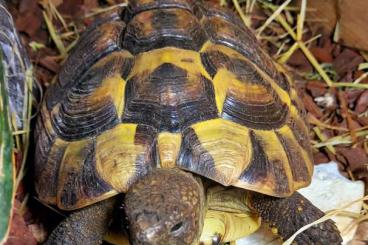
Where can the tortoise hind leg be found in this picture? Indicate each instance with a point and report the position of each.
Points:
(85, 226)
(289, 214)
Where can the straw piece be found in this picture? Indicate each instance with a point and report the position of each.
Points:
(350, 85)
(54, 36)
(272, 17)
(342, 139)
(300, 20)
(363, 66)
(241, 13)
(286, 56)
(313, 120)
(322, 137)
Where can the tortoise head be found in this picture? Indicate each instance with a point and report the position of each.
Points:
(165, 207)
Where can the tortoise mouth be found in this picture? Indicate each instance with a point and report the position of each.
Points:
(167, 205)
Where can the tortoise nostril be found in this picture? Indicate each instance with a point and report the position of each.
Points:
(176, 228)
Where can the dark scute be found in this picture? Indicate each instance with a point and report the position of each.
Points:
(299, 129)
(261, 168)
(76, 119)
(262, 116)
(297, 163)
(168, 71)
(136, 6)
(164, 19)
(103, 18)
(209, 9)
(193, 157)
(146, 161)
(89, 80)
(242, 40)
(146, 135)
(86, 183)
(258, 116)
(170, 27)
(283, 82)
(93, 45)
(54, 94)
(164, 100)
(212, 61)
(258, 168)
(300, 107)
(244, 71)
(126, 68)
(79, 115)
(46, 174)
(106, 67)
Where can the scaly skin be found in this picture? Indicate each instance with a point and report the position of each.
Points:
(165, 207)
(289, 214)
(85, 226)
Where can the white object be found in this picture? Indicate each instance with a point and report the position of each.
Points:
(328, 190)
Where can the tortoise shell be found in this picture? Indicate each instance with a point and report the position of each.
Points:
(169, 83)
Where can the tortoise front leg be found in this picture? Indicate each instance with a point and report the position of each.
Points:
(289, 214)
(85, 226)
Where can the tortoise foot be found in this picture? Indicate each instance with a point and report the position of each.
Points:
(287, 215)
(85, 226)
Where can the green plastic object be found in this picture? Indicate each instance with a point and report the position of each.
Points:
(6, 155)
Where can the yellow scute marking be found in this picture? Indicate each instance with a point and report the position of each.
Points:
(275, 154)
(185, 59)
(229, 145)
(221, 85)
(287, 133)
(116, 154)
(168, 145)
(113, 86)
(284, 96)
(225, 82)
(48, 175)
(72, 163)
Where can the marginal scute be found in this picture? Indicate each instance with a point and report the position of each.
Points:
(79, 182)
(160, 28)
(48, 153)
(268, 172)
(48, 172)
(298, 159)
(220, 150)
(168, 146)
(125, 153)
(300, 131)
(193, 156)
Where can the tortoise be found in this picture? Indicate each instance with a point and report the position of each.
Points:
(174, 104)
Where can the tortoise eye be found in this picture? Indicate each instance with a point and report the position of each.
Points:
(177, 228)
